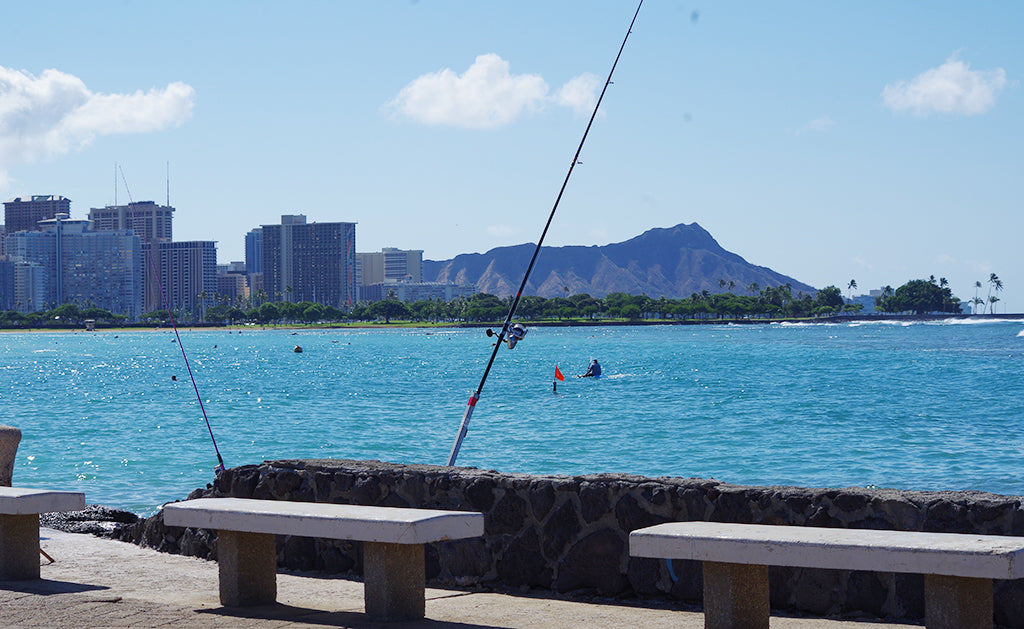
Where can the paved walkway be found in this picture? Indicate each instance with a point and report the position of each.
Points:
(104, 583)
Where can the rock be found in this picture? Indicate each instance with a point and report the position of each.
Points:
(94, 519)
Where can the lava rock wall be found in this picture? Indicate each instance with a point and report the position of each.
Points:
(570, 533)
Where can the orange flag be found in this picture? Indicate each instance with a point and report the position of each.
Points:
(558, 374)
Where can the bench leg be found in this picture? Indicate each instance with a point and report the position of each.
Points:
(394, 581)
(248, 568)
(735, 596)
(19, 547)
(957, 602)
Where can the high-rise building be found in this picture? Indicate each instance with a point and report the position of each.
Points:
(31, 286)
(188, 276)
(232, 284)
(150, 221)
(235, 267)
(153, 224)
(232, 289)
(390, 264)
(310, 261)
(6, 283)
(24, 213)
(254, 251)
(69, 263)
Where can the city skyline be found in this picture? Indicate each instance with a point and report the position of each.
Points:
(874, 142)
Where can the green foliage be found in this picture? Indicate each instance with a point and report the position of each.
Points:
(387, 309)
(68, 313)
(918, 297)
(269, 312)
(485, 307)
(831, 298)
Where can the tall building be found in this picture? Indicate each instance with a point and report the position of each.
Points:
(310, 261)
(390, 264)
(69, 263)
(188, 276)
(6, 283)
(235, 267)
(254, 251)
(153, 224)
(150, 221)
(232, 287)
(31, 286)
(24, 213)
(254, 261)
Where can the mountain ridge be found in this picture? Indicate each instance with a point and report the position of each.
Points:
(672, 262)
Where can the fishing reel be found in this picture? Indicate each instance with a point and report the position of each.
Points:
(515, 334)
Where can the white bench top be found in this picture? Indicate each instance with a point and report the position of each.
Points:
(951, 554)
(26, 501)
(333, 521)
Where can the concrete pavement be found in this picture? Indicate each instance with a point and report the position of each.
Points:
(98, 582)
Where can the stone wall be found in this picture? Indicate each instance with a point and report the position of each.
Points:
(570, 534)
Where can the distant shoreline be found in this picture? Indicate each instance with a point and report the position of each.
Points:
(544, 323)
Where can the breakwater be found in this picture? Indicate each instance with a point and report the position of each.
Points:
(570, 533)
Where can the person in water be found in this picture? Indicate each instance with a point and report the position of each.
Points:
(594, 370)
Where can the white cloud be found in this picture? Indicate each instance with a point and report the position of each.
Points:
(580, 93)
(952, 88)
(817, 125)
(55, 113)
(485, 96)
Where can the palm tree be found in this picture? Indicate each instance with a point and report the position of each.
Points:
(993, 283)
(753, 288)
(992, 303)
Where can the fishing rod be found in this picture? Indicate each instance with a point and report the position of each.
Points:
(163, 296)
(517, 332)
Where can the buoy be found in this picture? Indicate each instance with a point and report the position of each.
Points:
(298, 349)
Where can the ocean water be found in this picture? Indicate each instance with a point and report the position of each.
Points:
(905, 405)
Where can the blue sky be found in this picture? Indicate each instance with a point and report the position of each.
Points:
(872, 141)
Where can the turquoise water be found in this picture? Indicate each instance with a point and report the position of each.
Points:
(911, 406)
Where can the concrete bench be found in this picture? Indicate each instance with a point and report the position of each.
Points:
(393, 556)
(958, 569)
(19, 527)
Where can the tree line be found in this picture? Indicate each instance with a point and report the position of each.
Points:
(773, 302)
